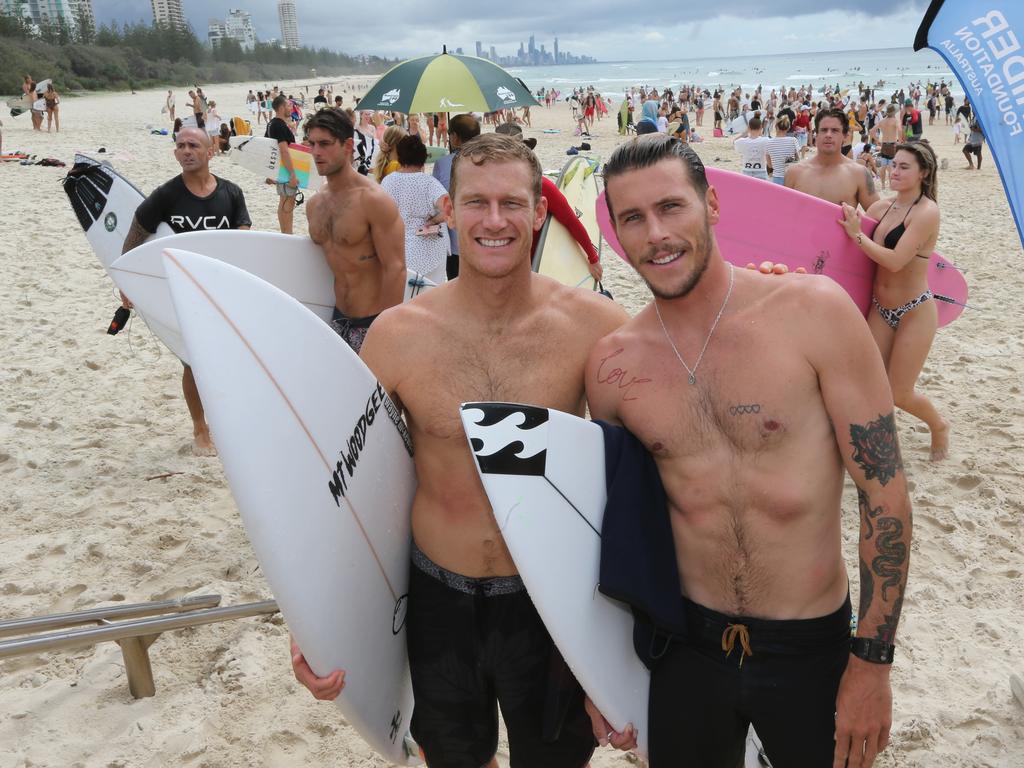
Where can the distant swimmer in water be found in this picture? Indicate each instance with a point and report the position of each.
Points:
(829, 175)
(905, 318)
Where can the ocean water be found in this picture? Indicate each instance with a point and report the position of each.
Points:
(897, 67)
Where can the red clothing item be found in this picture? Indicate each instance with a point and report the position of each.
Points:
(559, 207)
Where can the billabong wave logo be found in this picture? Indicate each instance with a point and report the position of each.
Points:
(507, 439)
(506, 95)
(391, 96)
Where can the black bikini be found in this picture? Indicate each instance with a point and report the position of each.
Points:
(892, 317)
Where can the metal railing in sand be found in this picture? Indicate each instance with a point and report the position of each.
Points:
(148, 622)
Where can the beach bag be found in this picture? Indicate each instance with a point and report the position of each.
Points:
(719, 133)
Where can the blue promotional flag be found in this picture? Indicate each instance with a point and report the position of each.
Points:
(983, 42)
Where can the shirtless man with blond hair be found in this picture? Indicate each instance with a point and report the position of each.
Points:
(498, 332)
(829, 174)
(359, 228)
(760, 395)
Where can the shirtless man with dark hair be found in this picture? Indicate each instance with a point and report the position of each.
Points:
(829, 174)
(359, 228)
(499, 332)
(759, 396)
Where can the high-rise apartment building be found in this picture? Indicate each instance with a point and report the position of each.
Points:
(289, 23)
(83, 13)
(168, 12)
(44, 12)
(238, 26)
(215, 32)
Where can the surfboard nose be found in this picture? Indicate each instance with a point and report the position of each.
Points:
(507, 438)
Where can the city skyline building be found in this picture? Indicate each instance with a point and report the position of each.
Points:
(529, 55)
(216, 31)
(289, 21)
(44, 12)
(238, 26)
(85, 17)
(168, 12)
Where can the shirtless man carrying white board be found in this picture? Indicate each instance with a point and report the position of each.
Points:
(499, 332)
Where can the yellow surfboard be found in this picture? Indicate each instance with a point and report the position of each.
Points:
(558, 255)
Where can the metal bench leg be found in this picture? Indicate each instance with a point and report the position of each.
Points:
(135, 651)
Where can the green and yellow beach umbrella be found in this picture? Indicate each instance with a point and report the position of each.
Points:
(447, 83)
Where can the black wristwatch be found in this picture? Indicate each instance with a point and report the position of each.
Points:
(875, 651)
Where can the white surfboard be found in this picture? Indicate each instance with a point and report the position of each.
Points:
(262, 156)
(320, 465)
(544, 473)
(739, 124)
(292, 263)
(104, 202)
(558, 255)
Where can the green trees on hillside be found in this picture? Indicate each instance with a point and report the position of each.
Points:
(138, 54)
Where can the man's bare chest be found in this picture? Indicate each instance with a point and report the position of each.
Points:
(518, 372)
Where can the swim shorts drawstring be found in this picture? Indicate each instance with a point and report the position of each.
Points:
(732, 631)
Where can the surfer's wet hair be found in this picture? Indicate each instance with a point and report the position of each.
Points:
(647, 150)
(332, 120)
(498, 148)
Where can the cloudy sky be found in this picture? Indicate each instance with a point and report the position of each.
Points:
(657, 29)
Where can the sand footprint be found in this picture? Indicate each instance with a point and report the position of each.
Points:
(285, 749)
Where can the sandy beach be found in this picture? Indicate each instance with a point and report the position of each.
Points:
(104, 502)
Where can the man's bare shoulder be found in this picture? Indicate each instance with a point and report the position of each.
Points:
(809, 302)
(412, 319)
(371, 194)
(589, 312)
(622, 338)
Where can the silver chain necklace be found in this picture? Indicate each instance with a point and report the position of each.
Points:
(689, 370)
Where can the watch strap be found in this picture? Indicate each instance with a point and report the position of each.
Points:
(874, 651)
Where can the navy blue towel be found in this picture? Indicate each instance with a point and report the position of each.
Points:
(638, 557)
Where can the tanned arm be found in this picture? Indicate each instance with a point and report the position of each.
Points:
(867, 193)
(859, 403)
(137, 235)
(388, 233)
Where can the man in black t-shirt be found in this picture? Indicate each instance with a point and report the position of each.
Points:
(319, 99)
(194, 200)
(279, 130)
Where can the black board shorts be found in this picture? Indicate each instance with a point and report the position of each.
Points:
(475, 644)
(703, 699)
(352, 329)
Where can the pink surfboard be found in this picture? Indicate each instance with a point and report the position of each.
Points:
(762, 221)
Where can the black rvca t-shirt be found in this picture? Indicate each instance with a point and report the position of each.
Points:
(278, 130)
(184, 212)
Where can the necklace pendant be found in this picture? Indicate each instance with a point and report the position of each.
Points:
(693, 378)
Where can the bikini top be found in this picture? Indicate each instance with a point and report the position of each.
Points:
(893, 237)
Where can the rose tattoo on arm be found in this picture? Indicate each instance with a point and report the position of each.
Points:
(876, 449)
